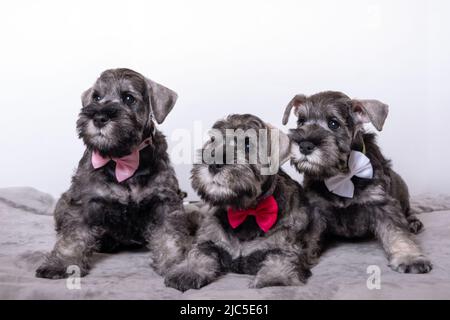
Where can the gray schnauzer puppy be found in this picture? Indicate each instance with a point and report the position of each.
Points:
(124, 192)
(252, 222)
(350, 185)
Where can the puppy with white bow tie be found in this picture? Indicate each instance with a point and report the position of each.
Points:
(351, 187)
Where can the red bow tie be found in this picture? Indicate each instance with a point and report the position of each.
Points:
(265, 213)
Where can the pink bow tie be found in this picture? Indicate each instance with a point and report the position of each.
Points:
(266, 214)
(125, 166)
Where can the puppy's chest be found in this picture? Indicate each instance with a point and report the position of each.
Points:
(349, 217)
(366, 192)
(352, 221)
(247, 231)
(119, 207)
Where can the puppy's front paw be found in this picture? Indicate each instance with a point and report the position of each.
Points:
(259, 283)
(49, 271)
(58, 269)
(411, 264)
(275, 281)
(184, 280)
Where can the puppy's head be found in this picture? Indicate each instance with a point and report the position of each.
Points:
(327, 125)
(239, 161)
(119, 109)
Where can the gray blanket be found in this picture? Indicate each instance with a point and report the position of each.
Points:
(26, 234)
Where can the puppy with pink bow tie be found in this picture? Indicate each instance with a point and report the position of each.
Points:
(124, 193)
(352, 189)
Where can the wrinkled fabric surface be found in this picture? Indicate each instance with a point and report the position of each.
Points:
(27, 233)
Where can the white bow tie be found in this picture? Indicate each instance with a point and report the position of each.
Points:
(341, 184)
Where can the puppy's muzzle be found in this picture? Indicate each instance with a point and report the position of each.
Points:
(215, 167)
(307, 147)
(100, 120)
(102, 114)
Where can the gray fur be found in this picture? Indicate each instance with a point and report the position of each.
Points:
(99, 214)
(380, 206)
(275, 257)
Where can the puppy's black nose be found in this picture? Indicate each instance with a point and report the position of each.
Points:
(100, 120)
(214, 168)
(307, 147)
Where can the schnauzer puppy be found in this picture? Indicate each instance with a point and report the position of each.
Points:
(124, 192)
(253, 217)
(349, 183)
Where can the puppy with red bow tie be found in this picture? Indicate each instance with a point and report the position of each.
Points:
(254, 213)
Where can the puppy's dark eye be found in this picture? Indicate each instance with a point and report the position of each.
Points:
(128, 99)
(96, 97)
(333, 124)
(301, 121)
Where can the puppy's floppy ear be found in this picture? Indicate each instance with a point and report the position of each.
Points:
(294, 103)
(373, 111)
(162, 100)
(284, 144)
(86, 97)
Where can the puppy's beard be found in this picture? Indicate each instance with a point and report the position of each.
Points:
(308, 164)
(94, 131)
(115, 139)
(102, 134)
(214, 185)
(100, 138)
(217, 182)
(324, 162)
(229, 186)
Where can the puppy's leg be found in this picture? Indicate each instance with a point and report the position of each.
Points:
(200, 268)
(169, 241)
(75, 243)
(166, 249)
(313, 237)
(404, 254)
(399, 191)
(284, 269)
(71, 248)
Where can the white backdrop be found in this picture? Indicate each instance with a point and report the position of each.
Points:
(223, 57)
